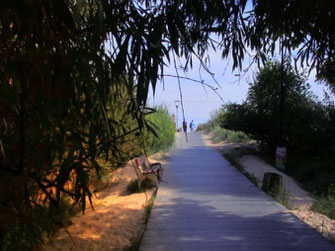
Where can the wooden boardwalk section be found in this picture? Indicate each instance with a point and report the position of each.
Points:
(205, 204)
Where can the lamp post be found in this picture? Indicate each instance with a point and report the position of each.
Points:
(176, 102)
(281, 151)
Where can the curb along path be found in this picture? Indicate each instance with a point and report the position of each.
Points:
(206, 204)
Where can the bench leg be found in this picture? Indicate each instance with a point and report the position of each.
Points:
(139, 182)
(157, 167)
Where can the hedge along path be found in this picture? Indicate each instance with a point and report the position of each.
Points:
(206, 204)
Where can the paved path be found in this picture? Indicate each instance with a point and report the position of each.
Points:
(206, 204)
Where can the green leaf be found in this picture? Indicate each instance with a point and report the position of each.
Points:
(174, 35)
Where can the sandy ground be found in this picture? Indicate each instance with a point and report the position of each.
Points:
(299, 201)
(116, 222)
(298, 198)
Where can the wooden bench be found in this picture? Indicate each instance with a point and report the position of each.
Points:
(145, 170)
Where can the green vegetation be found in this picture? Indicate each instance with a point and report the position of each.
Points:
(68, 154)
(163, 139)
(259, 115)
(44, 219)
(148, 207)
(135, 244)
(325, 205)
(219, 133)
(308, 126)
(282, 196)
(75, 76)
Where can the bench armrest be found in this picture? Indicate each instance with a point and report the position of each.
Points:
(155, 165)
(148, 171)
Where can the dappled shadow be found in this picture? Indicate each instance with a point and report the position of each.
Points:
(114, 224)
(202, 171)
(206, 204)
(94, 230)
(110, 189)
(193, 225)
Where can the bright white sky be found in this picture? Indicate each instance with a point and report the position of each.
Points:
(200, 101)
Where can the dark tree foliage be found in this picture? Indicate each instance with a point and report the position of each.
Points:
(327, 75)
(62, 66)
(305, 121)
(306, 25)
(61, 62)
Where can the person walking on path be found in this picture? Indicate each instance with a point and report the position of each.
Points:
(192, 126)
(206, 204)
(185, 126)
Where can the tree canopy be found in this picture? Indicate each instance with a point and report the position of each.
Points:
(46, 38)
(259, 116)
(62, 63)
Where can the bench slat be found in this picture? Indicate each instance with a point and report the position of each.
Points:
(150, 171)
(142, 160)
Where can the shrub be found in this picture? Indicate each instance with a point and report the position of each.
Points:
(308, 125)
(316, 173)
(161, 138)
(237, 137)
(326, 205)
(221, 134)
(218, 134)
(202, 127)
(215, 119)
(259, 115)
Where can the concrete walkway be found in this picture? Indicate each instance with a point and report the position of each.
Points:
(206, 204)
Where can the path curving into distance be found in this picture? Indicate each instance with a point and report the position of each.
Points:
(206, 204)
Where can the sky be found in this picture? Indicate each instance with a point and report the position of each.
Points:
(200, 101)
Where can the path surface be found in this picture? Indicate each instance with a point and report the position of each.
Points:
(206, 204)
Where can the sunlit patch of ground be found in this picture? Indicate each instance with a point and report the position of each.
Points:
(116, 222)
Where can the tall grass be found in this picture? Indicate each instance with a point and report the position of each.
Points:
(326, 204)
(219, 133)
(43, 221)
(164, 129)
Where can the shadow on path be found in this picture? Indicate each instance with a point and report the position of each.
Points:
(189, 225)
(206, 204)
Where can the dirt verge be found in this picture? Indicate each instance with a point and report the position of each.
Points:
(117, 221)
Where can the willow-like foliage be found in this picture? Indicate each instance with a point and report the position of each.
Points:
(62, 62)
